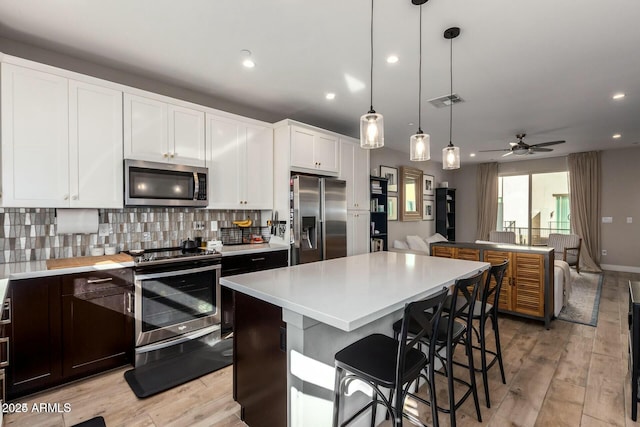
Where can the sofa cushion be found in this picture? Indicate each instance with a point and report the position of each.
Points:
(417, 244)
(399, 244)
(435, 238)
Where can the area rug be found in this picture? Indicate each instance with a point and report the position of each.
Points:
(162, 375)
(584, 300)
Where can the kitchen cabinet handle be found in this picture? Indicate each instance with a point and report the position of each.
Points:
(283, 339)
(257, 259)
(106, 279)
(165, 155)
(129, 302)
(74, 197)
(172, 154)
(6, 308)
(66, 197)
(4, 363)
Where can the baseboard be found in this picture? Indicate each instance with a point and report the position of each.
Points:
(625, 268)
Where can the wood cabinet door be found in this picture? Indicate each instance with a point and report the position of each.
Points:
(186, 135)
(35, 345)
(528, 277)
(145, 129)
(347, 167)
(35, 138)
(505, 300)
(95, 146)
(257, 173)
(354, 169)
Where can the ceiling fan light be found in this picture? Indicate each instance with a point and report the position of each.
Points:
(371, 130)
(451, 157)
(420, 144)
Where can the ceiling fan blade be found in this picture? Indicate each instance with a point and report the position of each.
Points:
(486, 151)
(545, 144)
(506, 154)
(540, 149)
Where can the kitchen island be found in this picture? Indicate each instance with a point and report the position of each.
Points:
(289, 323)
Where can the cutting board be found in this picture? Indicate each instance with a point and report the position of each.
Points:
(85, 261)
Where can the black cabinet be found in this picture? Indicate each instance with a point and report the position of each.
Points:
(67, 327)
(247, 263)
(446, 213)
(379, 213)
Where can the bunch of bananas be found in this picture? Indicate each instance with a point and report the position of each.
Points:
(244, 223)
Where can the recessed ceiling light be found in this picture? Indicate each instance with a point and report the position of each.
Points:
(247, 62)
(618, 95)
(472, 155)
(616, 136)
(330, 95)
(392, 59)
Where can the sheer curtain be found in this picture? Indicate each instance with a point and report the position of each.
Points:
(584, 199)
(487, 193)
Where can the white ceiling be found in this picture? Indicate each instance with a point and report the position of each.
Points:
(547, 67)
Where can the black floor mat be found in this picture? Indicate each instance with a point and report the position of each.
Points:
(93, 422)
(162, 375)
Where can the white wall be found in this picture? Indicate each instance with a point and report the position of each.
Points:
(398, 230)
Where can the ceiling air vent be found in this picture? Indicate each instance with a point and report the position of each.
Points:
(445, 101)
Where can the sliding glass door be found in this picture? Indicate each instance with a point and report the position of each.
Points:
(534, 205)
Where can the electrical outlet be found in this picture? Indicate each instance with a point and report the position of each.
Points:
(198, 225)
(146, 236)
(604, 252)
(214, 225)
(103, 230)
(629, 220)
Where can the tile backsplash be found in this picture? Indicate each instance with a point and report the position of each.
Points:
(29, 234)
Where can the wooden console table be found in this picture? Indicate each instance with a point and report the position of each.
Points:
(527, 289)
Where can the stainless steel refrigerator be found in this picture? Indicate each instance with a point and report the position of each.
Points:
(319, 218)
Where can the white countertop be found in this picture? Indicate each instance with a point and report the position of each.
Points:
(33, 269)
(350, 292)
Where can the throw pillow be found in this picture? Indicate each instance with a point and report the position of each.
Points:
(417, 244)
(399, 244)
(433, 239)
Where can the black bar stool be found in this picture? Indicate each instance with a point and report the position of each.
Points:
(384, 362)
(451, 332)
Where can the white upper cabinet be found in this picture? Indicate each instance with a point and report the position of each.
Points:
(240, 162)
(61, 141)
(314, 150)
(354, 168)
(163, 132)
(95, 146)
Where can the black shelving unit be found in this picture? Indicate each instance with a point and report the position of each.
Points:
(446, 213)
(379, 211)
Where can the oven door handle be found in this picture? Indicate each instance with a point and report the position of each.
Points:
(177, 272)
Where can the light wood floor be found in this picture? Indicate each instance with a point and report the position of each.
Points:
(570, 375)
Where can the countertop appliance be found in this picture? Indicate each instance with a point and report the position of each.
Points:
(177, 300)
(318, 218)
(164, 184)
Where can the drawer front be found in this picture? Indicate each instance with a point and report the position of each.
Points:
(248, 263)
(529, 281)
(97, 281)
(443, 251)
(468, 254)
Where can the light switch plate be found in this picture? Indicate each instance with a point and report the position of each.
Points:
(607, 219)
(214, 225)
(629, 220)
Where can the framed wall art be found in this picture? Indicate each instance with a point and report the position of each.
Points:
(392, 175)
(427, 210)
(428, 185)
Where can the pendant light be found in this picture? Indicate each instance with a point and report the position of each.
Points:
(372, 123)
(451, 153)
(420, 143)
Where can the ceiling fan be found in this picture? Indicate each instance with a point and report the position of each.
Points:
(521, 148)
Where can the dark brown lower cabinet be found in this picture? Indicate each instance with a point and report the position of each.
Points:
(67, 327)
(35, 345)
(259, 362)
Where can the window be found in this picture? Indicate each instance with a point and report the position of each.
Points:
(534, 205)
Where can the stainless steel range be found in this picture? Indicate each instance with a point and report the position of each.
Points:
(177, 300)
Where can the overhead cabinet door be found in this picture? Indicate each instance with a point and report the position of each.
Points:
(35, 138)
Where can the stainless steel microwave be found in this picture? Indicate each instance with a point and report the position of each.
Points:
(164, 184)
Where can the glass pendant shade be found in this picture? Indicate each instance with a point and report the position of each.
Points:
(451, 157)
(371, 130)
(420, 144)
